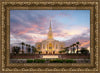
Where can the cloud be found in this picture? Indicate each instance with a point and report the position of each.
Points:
(83, 38)
(32, 26)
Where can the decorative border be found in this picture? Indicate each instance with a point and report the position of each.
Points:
(92, 6)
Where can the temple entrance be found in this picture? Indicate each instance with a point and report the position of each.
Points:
(50, 48)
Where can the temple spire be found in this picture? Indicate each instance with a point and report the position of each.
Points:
(50, 36)
(50, 23)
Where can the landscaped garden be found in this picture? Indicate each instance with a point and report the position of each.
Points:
(50, 61)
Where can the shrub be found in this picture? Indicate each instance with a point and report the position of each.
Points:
(70, 61)
(29, 61)
(56, 61)
(39, 60)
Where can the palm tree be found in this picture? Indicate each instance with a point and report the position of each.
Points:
(67, 49)
(73, 48)
(77, 46)
(22, 47)
(27, 48)
(33, 49)
(17, 50)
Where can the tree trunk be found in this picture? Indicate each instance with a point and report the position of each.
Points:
(22, 49)
(77, 49)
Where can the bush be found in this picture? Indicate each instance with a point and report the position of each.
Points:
(39, 60)
(29, 61)
(70, 61)
(56, 61)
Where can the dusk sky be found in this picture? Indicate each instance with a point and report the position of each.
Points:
(31, 26)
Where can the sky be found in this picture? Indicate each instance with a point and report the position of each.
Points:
(31, 26)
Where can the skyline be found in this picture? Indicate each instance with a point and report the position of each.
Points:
(69, 26)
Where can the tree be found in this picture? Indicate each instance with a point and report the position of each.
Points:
(66, 49)
(16, 49)
(40, 52)
(77, 46)
(84, 51)
(73, 48)
(60, 52)
(22, 47)
(29, 49)
(33, 49)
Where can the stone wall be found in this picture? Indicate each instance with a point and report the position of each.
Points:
(37, 56)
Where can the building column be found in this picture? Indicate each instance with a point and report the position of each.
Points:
(42, 46)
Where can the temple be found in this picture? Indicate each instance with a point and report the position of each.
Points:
(50, 45)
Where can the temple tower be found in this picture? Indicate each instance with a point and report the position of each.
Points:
(50, 35)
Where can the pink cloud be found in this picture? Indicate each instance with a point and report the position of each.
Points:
(85, 43)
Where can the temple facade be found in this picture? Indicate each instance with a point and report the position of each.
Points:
(50, 45)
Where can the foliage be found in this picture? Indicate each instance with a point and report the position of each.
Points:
(62, 51)
(22, 43)
(70, 61)
(39, 60)
(84, 51)
(34, 49)
(29, 50)
(16, 49)
(29, 61)
(40, 52)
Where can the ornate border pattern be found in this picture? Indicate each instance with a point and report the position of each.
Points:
(6, 6)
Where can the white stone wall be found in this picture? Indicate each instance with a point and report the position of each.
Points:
(45, 48)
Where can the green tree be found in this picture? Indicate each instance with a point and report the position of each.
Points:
(22, 47)
(84, 51)
(29, 49)
(33, 49)
(40, 52)
(60, 52)
(66, 49)
(77, 46)
(73, 48)
(16, 49)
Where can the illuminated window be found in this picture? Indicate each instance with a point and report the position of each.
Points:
(38, 46)
(50, 46)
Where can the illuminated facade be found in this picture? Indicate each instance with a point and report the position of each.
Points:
(50, 46)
